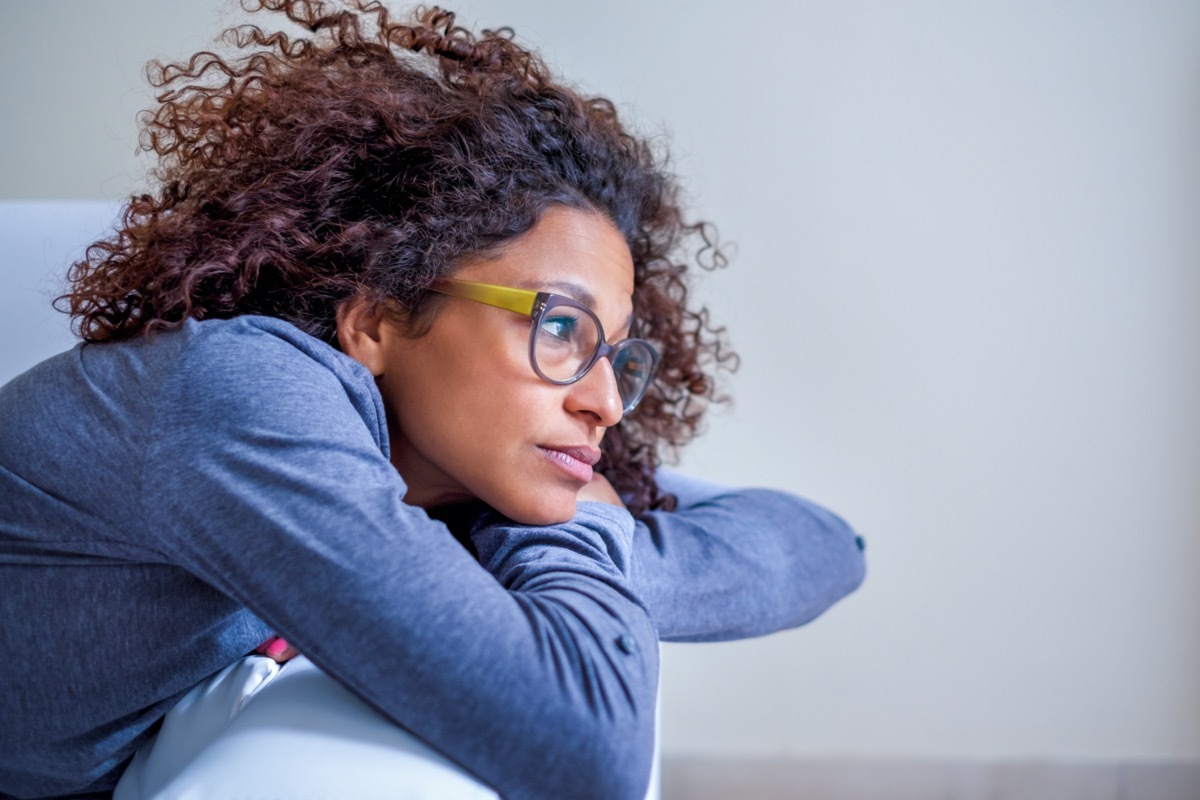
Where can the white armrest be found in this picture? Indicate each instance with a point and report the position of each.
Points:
(257, 729)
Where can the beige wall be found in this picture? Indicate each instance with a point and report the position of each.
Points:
(966, 293)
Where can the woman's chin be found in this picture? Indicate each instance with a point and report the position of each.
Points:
(541, 510)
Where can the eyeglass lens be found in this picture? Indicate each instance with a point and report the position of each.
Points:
(566, 340)
(633, 364)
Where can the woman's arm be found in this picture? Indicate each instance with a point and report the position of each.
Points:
(266, 478)
(730, 564)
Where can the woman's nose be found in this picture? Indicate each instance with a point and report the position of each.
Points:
(596, 393)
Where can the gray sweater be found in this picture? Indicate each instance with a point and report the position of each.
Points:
(168, 502)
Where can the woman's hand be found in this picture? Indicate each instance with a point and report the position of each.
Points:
(599, 490)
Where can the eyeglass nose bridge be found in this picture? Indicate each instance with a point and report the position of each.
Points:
(603, 350)
(610, 351)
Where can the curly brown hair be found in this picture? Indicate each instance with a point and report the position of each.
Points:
(369, 157)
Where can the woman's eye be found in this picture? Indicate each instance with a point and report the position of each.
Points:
(560, 327)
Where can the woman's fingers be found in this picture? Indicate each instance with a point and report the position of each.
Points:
(278, 649)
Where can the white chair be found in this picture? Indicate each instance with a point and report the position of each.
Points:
(261, 730)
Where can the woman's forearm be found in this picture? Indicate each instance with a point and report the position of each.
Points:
(730, 564)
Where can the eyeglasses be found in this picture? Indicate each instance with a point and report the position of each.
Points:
(566, 338)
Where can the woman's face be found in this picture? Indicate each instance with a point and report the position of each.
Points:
(467, 415)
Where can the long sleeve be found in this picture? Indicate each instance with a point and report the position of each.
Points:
(171, 499)
(730, 564)
(537, 672)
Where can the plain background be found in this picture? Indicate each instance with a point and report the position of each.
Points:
(965, 292)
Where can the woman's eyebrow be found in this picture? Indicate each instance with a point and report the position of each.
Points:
(571, 290)
(576, 293)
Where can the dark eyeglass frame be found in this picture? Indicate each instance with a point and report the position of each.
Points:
(536, 305)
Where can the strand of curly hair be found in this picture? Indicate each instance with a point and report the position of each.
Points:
(369, 156)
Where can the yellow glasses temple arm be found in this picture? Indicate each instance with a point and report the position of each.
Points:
(519, 300)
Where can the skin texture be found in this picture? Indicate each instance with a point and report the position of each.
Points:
(468, 418)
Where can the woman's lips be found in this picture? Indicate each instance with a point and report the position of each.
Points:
(575, 460)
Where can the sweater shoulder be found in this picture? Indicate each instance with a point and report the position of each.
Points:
(251, 365)
(250, 344)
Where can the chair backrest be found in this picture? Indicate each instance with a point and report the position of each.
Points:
(41, 239)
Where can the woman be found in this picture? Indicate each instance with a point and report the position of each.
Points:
(391, 271)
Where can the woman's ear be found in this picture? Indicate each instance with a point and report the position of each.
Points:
(361, 332)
